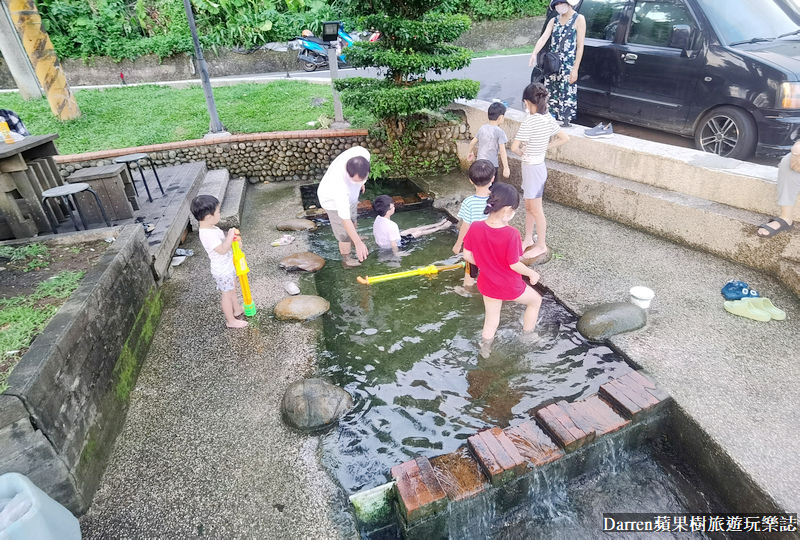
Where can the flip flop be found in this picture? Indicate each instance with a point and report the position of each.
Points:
(744, 309)
(782, 226)
(765, 304)
(284, 240)
(736, 290)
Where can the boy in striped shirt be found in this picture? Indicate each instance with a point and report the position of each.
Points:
(481, 175)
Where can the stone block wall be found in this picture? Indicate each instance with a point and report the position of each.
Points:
(67, 398)
(294, 155)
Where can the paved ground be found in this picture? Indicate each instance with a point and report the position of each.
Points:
(737, 378)
(204, 451)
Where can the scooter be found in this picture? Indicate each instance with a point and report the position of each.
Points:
(314, 52)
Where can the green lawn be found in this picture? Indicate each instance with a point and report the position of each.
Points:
(140, 115)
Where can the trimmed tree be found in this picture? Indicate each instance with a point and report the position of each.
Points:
(413, 42)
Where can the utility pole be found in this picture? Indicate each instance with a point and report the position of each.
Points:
(216, 125)
(16, 58)
(39, 48)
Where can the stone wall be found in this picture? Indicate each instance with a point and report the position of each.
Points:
(299, 155)
(486, 35)
(67, 398)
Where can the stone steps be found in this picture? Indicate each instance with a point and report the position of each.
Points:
(215, 183)
(233, 203)
(425, 490)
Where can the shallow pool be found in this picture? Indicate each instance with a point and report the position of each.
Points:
(407, 352)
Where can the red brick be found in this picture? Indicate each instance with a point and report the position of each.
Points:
(398, 201)
(624, 399)
(499, 457)
(459, 474)
(419, 492)
(533, 444)
(647, 384)
(557, 422)
(598, 414)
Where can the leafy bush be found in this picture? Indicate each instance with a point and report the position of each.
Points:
(411, 44)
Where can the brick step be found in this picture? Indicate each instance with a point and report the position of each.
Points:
(459, 474)
(215, 183)
(419, 492)
(633, 395)
(496, 454)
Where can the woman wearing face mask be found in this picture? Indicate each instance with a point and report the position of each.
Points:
(495, 248)
(567, 30)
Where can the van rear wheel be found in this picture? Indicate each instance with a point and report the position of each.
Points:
(728, 132)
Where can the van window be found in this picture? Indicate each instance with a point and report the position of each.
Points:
(741, 20)
(653, 21)
(602, 17)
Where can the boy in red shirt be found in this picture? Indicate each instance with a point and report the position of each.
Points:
(495, 247)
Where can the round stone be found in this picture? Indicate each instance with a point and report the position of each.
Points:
(310, 262)
(606, 320)
(303, 307)
(313, 404)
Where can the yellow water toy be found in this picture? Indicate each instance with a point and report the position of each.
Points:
(424, 271)
(240, 264)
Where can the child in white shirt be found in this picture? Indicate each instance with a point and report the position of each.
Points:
(206, 209)
(387, 233)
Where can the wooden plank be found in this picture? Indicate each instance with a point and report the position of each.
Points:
(599, 414)
(558, 423)
(13, 163)
(21, 226)
(533, 444)
(484, 457)
(26, 189)
(51, 179)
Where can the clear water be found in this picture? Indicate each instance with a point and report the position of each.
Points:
(407, 352)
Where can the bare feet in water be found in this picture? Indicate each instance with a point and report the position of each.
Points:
(236, 324)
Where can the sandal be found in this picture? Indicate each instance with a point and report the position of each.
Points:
(743, 308)
(782, 226)
(284, 240)
(764, 304)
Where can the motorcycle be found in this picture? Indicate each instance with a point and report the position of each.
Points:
(313, 54)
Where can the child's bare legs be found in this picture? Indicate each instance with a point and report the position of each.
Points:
(534, 215)
(230, 303)
(533, 301)
(422, 230)
(492, 320)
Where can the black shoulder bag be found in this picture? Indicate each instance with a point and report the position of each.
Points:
(550, 61)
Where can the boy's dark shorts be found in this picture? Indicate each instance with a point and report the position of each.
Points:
(406, 239)
(472, 270)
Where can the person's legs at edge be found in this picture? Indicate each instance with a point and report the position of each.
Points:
(238, 309)
(227, 301)
(533, 208)
(490, 324)
(530, 223)
(422, 230)
(785, 215)
(533, 301)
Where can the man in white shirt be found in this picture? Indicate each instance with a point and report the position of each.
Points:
(338, 195)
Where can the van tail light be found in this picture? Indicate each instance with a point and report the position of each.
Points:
(789, 95)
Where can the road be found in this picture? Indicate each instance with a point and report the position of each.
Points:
(504, 78)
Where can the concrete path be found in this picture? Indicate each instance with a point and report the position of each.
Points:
(737, 378)
(204, 451)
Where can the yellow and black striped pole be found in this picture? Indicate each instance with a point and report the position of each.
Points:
(39, 48)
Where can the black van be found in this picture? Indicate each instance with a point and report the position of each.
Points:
(726, 72)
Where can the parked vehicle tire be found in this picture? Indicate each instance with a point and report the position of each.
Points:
(309, 66)
(728, 132)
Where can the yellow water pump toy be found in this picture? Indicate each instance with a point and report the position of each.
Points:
(240, 264)
(424, 271)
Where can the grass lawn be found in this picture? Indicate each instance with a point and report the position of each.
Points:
(503, 52)
(140, 115)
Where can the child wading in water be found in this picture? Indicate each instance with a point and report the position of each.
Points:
(535, 133)
(388, 235)
(495, 247)
(217, 244)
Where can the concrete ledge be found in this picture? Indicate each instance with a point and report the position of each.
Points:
(233, 203)
(214, 184)
(74, 380)
(699, 174)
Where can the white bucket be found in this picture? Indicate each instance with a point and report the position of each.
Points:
(642, 296)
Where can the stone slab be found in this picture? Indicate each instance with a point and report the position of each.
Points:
(233, 203)
(419, 493)
(497, 455)
(556, 421)
(533, 444)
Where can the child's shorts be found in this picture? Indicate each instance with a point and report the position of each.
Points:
(225, 282)
(533, 179)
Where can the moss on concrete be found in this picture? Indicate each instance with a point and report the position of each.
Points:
(133, 351)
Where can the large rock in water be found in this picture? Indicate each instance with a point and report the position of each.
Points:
(606, 320)
(313, 404)
(297, 225)
(310, 262)
(303, 307)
